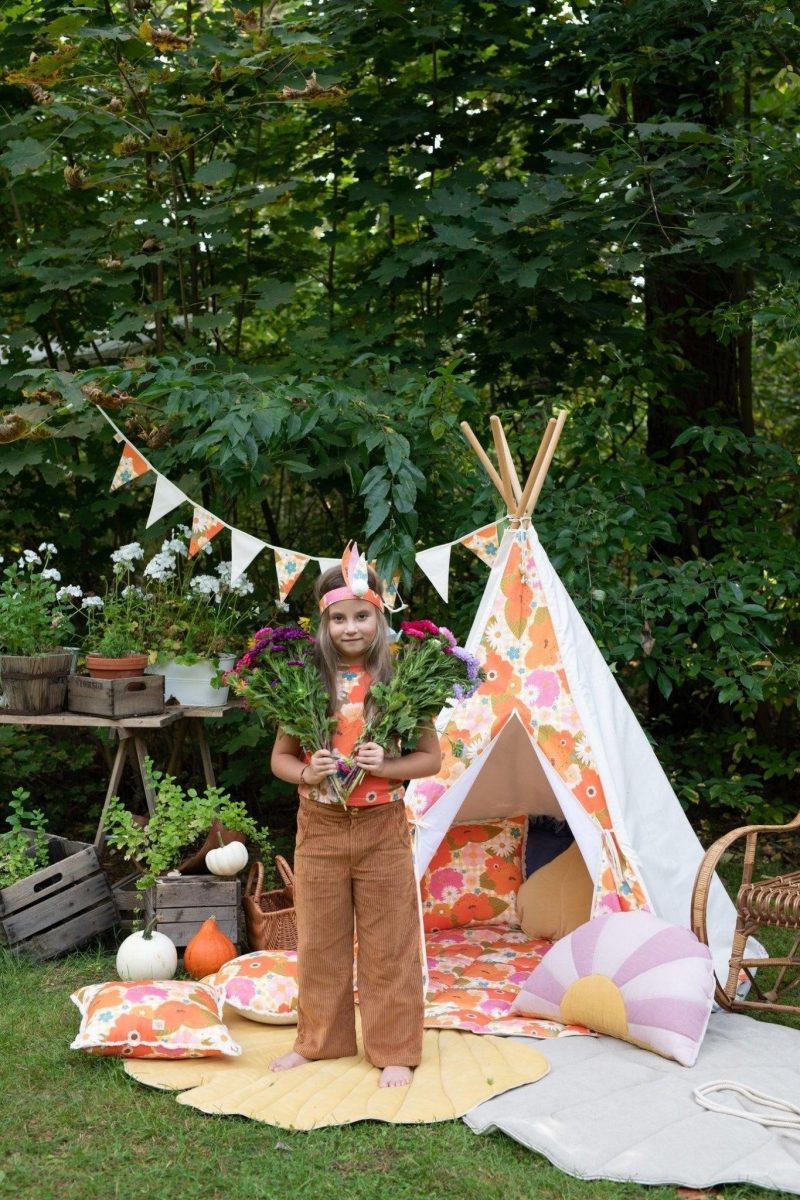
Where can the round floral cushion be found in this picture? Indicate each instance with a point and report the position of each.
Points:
(262, 986)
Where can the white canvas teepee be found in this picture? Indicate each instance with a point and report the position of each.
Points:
(549, 731)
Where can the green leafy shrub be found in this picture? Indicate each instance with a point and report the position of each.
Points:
(24, 849)
(181, 820)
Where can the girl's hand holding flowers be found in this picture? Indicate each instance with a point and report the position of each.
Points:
(322, 764)
(370, 757)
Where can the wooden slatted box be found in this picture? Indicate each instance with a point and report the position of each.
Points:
(179, 906)
(130, 903)
(116, 698)
(58, 907)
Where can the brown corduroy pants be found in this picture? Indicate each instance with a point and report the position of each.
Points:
(353, 867)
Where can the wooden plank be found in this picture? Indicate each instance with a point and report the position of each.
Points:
(71, 933)
(195, 912)
(81, 721)
(196, 890)
(56, 908)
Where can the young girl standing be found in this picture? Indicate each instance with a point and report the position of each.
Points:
(353, 865)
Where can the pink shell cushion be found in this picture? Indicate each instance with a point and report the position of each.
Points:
(630, 975)
(167, 1018)
(474, 876)
(261, 985)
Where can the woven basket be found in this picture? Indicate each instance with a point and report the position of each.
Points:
(270, 916)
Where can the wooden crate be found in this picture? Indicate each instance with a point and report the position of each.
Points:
(116, 698)
(58, 907)
(130, 903)
(181, 904)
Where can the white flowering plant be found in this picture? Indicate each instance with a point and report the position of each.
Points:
(34, 617)
(193, 613)
(115, 622)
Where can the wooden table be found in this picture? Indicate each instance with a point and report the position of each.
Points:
(135, 732)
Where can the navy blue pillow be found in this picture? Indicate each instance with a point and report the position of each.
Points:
(547, 838)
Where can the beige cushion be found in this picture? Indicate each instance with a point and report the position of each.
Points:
(557, 898)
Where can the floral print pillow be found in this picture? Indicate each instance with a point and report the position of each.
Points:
(171, 1018)
(474, 876)
(261, 986)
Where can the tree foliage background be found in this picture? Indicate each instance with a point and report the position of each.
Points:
(290, 246)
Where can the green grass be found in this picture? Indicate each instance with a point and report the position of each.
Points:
(74, 1127)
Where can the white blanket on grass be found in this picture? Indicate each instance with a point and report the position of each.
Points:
(609, 1110)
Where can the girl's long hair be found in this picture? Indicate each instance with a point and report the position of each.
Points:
(378, 658)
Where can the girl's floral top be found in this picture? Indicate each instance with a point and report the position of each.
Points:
(354, 684)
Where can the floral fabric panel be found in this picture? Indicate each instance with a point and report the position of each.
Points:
(205, 526)
(289, 566)
(525, 674)
(262, 986)
(131, 466)
(171, 1018)
(474, 876)
(353, 686)
(483, 542)
(474, 977)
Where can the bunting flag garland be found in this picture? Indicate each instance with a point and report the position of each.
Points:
(435, 563)
(205, 526)
(289, 566)
(483, 542)
(131, 466)
(244, 548)
(165, 497)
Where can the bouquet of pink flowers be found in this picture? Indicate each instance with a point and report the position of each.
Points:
(430, 670)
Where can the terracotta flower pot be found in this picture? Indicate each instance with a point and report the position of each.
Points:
(116, 668)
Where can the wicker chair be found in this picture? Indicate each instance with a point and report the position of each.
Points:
(766, 903)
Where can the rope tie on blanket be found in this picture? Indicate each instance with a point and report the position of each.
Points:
(784, 1116)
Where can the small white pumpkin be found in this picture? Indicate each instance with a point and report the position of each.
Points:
(227, 860)
(146, 955)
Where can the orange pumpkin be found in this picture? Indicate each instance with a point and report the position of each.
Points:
(208, 950)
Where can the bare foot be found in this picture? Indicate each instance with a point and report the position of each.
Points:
(287, 1062)
(395, 1077)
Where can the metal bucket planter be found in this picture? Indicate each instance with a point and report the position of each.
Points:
(35, 684)
(191, 685)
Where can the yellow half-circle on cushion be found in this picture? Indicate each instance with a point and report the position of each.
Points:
(596, 1002)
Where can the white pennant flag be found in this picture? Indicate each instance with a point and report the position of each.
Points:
(244, 548)
(165, 497)
(435, 563)
(325, 564)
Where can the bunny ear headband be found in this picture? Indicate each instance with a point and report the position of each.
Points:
(354, 569)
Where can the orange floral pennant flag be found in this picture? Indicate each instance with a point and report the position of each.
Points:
(289, 566)
(205, 526)
(483, 542)
(131, 466)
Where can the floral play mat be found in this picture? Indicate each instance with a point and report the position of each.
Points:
(474, 975)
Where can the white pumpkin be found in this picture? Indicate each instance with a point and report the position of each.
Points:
(227, 860)
(147, 956)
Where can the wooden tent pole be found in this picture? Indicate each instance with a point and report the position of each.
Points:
(506, 462)
(533, 474)
(548, 458)
(483, 459)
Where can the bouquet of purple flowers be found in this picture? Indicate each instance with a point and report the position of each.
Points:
(278, 678)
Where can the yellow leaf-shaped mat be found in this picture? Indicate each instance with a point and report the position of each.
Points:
(458, 1071)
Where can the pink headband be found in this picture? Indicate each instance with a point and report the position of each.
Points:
(355, 571)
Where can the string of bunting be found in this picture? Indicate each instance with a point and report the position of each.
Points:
(289, 564)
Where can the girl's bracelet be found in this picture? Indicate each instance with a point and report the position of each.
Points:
(302, 773)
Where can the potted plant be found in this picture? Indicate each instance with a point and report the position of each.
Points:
(34, 625)
(115, 637)
(183, 827)
(194, 621)
(25, 847)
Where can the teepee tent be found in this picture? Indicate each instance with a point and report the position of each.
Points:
(550, 732)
